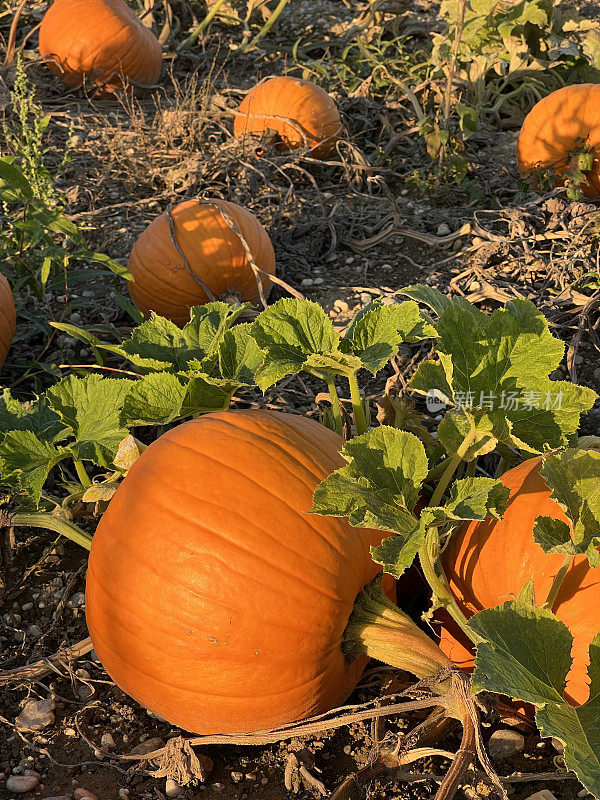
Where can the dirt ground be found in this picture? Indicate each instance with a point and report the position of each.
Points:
(343, 234)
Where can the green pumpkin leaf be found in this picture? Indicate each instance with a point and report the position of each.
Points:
(158, 345)
(574, 478)
(26, 461)
(239, 355)
(375, 335)
(155, 399)
(470, 499)
(90, 408)
(204, 395)
(379, 488)
(526, 653)
(36, 416)
(496, 369)
(289, 331)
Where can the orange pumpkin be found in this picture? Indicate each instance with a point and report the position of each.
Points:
(489, 562)
(300, 112)
(556, 126)
(8, 318)
(100, 41)
(213, 599)
(190, 248)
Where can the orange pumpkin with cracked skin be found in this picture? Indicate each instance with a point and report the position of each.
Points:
(300, 112)
(100, 41)
(190, 247)
(557, 125)
(8, 318)
(201, 564)
(489, 562)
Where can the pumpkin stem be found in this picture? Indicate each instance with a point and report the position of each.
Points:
(53, 523)
(360, 422)
(335, 404)
(557, 582)
(381, 630)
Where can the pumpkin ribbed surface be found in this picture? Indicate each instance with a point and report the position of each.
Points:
(557, 125)
(489, 562)
(212, 598)
(174, 258)
(313, 118)
(8, 318)
(99, 41)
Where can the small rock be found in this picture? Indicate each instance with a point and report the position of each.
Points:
(124, 794)
(26, 606)
(264, 781)
(505, 744)
(365, 298)
(342, 305)
(77, 600)
(403, 192)
(172, 788)
(147, 747)
(443, 229)
(70, 732)
(82, 673)
(217, 787)
(544, 794)
(558, 746)
(236, 777)
(82, 792)
(21, 783)
(108, 741)
(474, 286)
(306, 282)
(578, 360)
(318, 281)
(350, 260)
(36, 715)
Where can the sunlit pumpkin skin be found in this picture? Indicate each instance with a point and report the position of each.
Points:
(99, 42)
(8, 318)
(314, 120)
(489, 562)
(212, 598)
(202, 237)
(556, 126)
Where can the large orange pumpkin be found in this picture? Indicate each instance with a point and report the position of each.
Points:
(8, 318)
(100, 41)
(300, 112)
(212, 598)
(489, 562)
(556, 126)
(191, 247)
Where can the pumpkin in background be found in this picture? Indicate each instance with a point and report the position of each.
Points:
(192, 247)
(489, 562)
(212, 597)
(565, 120)
(8, 318)
(300, 112)
(99, 41)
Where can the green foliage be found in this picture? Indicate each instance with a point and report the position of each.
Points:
(526, 654)
(510, 54)
(574, 478)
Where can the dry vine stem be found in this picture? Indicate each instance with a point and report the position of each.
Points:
(255, 268)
